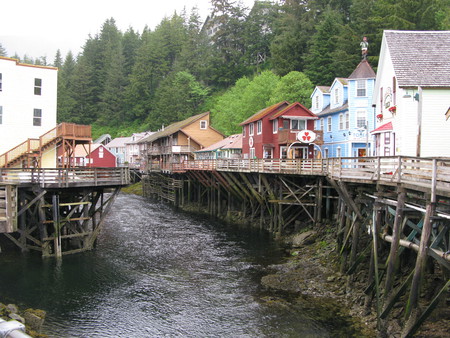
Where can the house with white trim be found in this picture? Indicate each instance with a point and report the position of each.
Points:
(412, 94)
(345, 113)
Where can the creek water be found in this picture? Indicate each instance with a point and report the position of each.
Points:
(157, 272)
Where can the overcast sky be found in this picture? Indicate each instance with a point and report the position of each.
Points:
(40, 27)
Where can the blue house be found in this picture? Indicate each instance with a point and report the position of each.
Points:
(345, 113)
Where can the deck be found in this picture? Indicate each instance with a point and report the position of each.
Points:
(65, 177)
(424, 174)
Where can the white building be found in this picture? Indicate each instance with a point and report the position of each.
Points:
(28, 95)
(412, 94)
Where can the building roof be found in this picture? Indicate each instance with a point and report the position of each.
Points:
(173, 128)
(285, 110)
(118, 142)
(26, 64)
(382, 128)
(363, 71)
(327, 109)
(263, 112)
(103, 138)
(324, 89)
(231, 142)
(342, 80)
(420, 58)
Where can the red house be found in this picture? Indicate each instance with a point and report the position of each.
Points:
(98, 157)
(273, 132)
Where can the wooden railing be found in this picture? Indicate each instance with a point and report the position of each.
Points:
(66, 177)
(68, 130)
(426, 173)
(26, 147)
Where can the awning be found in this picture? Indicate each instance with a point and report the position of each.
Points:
(383, 128)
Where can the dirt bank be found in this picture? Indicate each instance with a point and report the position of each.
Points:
(311, 275)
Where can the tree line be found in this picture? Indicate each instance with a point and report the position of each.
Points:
(237, 62)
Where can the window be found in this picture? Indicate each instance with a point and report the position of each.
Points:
(203, 124)
(387, 138)
(336, 95)
(259, 127)
(243, 131)
(387, 151)
(37, 86)
(361, 119)
(338, 152)
(252, 153)
(317, 102)
(37, 117)
(360, 87)
(341, 121)
(275, 126)
(0, 82)
(298, 124)
(325, 155)
(1, 114)
(100, 152)
(329, 124)
(251, 128)
(347, 120)
(321, 124)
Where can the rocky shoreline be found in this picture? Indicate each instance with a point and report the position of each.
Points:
(311, 274)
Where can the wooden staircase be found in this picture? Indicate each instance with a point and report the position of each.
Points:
(8, 208)
(29, 153)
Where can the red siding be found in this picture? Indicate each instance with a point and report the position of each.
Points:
(108, 160)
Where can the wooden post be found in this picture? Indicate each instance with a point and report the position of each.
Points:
(412, 305)
(395, 243)
(56, 226)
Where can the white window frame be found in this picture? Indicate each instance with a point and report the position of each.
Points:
(329, 124)
(317, 101)
(251, 129)
(252, 153)
(37, 117)
(326, 153)
(275, 126)
(322, 124)
(1, 114)
(338, 152)
(244, 128)
(361, 88)
(341, 121)
(336, 95)
(259, 127)
(299, 122)
(203, 124)
(1, 82)
(358, 114)
(37, 86)
(347, 120)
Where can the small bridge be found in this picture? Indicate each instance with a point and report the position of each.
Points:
(57, 211)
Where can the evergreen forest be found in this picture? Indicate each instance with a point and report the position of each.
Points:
(235, 63)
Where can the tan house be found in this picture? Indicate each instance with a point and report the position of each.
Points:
(178, 142)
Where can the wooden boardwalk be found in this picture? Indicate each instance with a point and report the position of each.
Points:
(424, 174)
(386, 212)
(57, 211)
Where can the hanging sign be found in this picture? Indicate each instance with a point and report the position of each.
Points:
(306, 136)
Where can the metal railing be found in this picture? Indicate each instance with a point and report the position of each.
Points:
(66, 177)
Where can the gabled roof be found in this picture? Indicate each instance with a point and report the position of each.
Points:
(420, 58)
(382, 128)
(82, 150)
(308, 113)
(341, 80)
(118, 142)
(231, 142)
(173, 128)
(363, 71)
(264, 112)
(324, 89)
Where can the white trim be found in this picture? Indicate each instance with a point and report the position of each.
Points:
(203, 124)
